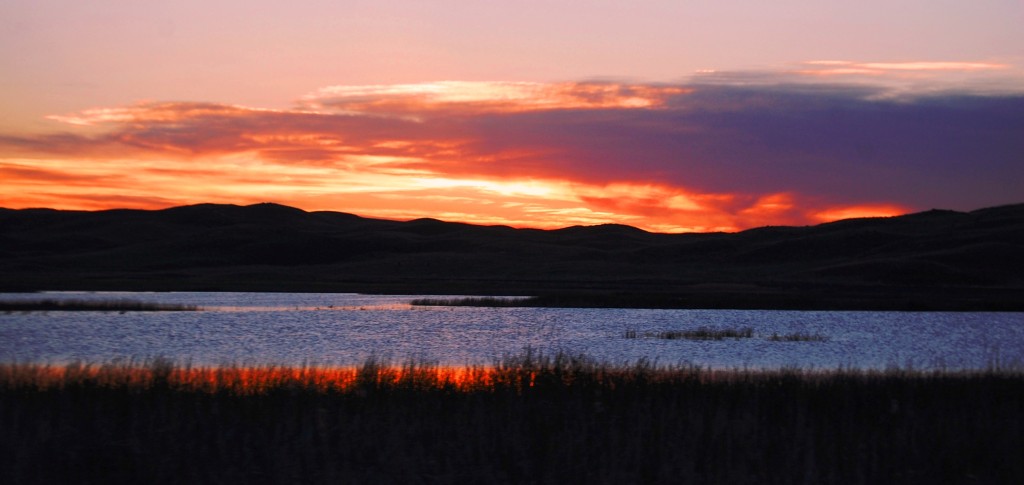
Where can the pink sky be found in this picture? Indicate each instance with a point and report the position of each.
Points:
(670, 116)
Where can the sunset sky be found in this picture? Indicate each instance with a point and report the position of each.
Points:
(667, 115)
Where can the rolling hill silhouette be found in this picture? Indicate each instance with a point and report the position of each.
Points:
(929, 260)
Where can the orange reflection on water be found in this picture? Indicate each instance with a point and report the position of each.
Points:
(260, 380)
(359, 381)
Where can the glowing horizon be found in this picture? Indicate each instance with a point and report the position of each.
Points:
(372, 178)
(531, 203)
(661, 157)
(664, 115)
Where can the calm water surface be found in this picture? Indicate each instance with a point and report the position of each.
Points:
(345, 329)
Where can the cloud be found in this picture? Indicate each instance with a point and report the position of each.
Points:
(878, 68)
(885, 80)
(462, 97)
(722, 151)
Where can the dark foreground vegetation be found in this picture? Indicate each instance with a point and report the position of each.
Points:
(934, 260)
(531, 419)
(91, 306)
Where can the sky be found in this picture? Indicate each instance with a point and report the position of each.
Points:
(671, 116)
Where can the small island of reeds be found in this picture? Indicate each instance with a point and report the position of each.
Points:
(45, 305)
(708, 333)
(526, 419)
(699, 333)
(797, 337)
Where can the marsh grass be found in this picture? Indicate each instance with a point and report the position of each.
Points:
(474, 301)
(531, 418)
(707, 333)
(700, 333)
(570, 300)
(798, 337)
(90, 306)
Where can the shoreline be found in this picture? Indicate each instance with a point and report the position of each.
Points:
(825, 298)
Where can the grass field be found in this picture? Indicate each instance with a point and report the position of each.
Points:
(528, 419)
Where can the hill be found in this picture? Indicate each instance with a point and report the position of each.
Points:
(929, 260)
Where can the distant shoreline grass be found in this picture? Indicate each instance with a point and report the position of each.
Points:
(531, 418)
(699, 333)
(708, 333)
(477, 301)
(565, 300)
(45, 305)
(798, 337)
(769, 299)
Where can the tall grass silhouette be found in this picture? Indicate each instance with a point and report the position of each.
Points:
(531, 418)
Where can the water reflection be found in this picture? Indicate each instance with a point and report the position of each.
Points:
(347, 329)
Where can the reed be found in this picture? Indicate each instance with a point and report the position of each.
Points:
(481, 301)
(90, 306)
(798, 337)
(700, 333)
(531, 418)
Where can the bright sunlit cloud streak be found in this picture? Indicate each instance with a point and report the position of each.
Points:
(712, 154)
(451, 97)
(882, 67)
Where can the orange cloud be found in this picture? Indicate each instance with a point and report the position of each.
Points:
(152, 112)
(911, 66)
(663, 158)
(463, 97)
(897, 70)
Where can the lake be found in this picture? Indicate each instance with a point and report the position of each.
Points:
(347, 329)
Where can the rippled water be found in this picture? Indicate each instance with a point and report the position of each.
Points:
(343, 329)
